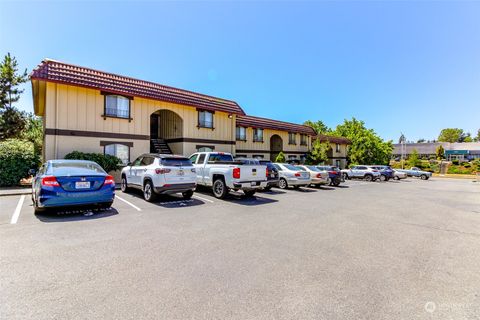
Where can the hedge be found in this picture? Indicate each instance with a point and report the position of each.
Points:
(106, 161)
(17, 157)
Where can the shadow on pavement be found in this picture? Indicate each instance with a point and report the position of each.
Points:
(75, 215)
(240, 198)
(169, 200)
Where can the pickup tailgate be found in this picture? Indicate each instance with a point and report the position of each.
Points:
(252, 173)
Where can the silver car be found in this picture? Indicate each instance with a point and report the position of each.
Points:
(361, 172)
(318, 177)
(397, 175)
(291, 175)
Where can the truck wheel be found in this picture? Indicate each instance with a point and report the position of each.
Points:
(124, 185)
(249, 193)
(424, 177)
(187, 194)
(283, 183)
(148, 193)
(220, 190)
(368, 177)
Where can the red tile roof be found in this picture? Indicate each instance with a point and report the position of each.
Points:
(264, 123)
(334, 139)
(59, 72)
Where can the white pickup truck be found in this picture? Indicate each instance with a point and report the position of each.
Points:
(219, 171)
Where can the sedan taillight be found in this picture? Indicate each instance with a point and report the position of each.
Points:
(50, 181)
(319, 175)
(109, 180)
(298, 174)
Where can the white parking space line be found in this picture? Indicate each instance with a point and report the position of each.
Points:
(204, 199)
(129, 203)
(16, 213)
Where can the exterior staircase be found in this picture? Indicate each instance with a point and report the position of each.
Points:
(159, 146)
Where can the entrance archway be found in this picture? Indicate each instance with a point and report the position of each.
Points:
(165, 128)
(276, 145)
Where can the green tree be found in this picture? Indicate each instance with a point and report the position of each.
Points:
(318, 126)
(477, 138)
(467, 138)
(421, 140)
(319, 153)
(451, 135)
(12, 123)
(33, 131)
(413, 159)
(10, 80)
(367, 147)
(280, 157)
(440, 152)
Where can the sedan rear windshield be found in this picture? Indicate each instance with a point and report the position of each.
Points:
(313, 168)
(176, 162)
(55, 166)
(293, 168)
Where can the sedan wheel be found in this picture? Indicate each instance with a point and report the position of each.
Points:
(396, 178)
(283, 184)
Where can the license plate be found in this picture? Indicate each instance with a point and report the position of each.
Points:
(181, 173)
(82, 185)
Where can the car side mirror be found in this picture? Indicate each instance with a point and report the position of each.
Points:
(32, 172)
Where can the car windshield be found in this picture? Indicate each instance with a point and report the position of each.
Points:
(57, 166)
(220, 157)
(176, 162)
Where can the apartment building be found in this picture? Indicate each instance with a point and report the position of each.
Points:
(337, 154)
(94, 111)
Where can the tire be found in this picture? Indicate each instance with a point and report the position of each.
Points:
(219, 189)
(124, 185)
(187, 194)
(267, 188)
(383, 178)
(249, 193)
(36, 209)
(396, 178)
(148, 192)
(282, 184)
(336, 183)
(296, 187)
(424, 177)
(345, 177)
(368, 177)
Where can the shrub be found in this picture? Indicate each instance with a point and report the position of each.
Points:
(106, 161)
(17, 157)
(455, 162)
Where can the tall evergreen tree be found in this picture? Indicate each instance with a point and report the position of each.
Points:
(10, 80)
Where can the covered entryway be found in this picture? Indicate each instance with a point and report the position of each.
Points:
(276, 145)
(166, 131)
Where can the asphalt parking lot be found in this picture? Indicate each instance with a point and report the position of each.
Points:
(382, 250)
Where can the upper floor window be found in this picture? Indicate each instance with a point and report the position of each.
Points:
(205, 119)
(118, 150)
(303, 139)
(337, 147)
(257, 135)
(241, 133)
(117, 106)
(292, 138)
(205, 148)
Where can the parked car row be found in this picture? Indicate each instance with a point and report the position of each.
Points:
(79, 183)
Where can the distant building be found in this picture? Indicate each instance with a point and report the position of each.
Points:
(453, 151)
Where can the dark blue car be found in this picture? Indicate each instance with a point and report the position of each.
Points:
(386, 172)
(334, 173)
(67, 184)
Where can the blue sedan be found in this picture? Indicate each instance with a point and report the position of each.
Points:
(68, 184)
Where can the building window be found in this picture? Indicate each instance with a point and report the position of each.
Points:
(303, 139)
(205, 148)
(118, 150)
(241, 156)
(258, 156)
(292, 157)
(241, 133)
(257, 135)
(337, 147)
(117, 106)
(205, 119)
(292, 137)
(338, 163)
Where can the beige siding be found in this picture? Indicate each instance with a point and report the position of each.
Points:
(265, 146)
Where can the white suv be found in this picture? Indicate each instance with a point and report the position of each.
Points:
(156, 174)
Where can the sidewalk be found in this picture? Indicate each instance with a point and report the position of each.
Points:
(15, 191)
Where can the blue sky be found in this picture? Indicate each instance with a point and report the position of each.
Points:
(403, 66)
